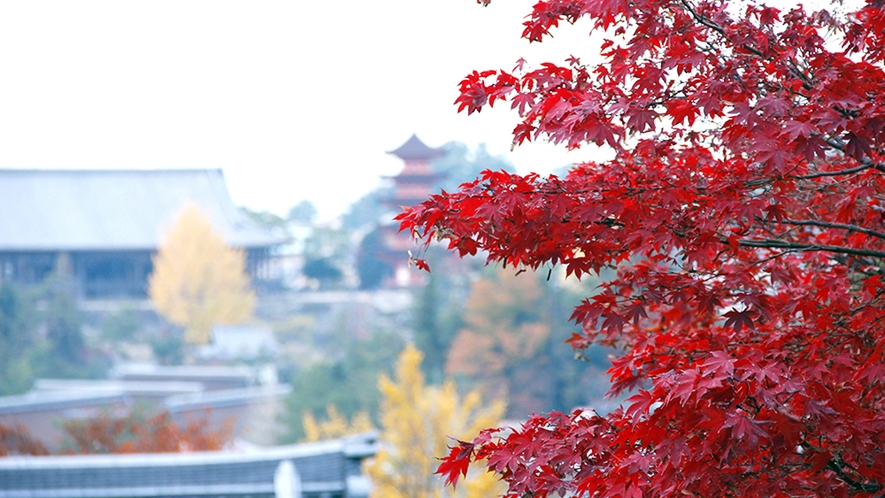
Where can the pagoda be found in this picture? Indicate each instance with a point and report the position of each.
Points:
(416, 181)
(413, 185)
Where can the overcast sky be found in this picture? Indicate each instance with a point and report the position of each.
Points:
(294, 100)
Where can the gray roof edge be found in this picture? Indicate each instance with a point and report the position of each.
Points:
(174, 490)
(116, 386)
(33, 401)
(181, 402)
(175, 459)
(139, 491)
(80, 171)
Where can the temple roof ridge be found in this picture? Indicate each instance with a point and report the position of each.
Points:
(415, 149)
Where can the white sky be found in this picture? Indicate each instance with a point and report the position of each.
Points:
(292, 99)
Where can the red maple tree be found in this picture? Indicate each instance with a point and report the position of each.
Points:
(15, 439)
(744, 212)
(138, 432)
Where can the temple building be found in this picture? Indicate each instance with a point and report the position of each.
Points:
(100, 227)
(413, 185)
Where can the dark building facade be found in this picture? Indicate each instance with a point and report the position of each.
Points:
(100, 227)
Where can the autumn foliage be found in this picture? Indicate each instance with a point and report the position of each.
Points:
(417, 421)
(17, 440)
(335, 425)
(503, 342)
(198, 281)
(141, 433)
(744, 213)
(135, 432)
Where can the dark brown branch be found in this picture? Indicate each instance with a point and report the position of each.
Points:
(780, 244)
(849, 171)
(843, 226)
(807, 83)
(866, 163)
(860, 486)
(701, 19)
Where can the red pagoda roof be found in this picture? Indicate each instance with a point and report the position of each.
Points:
(415, 149)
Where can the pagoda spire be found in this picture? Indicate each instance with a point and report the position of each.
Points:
(415, 150)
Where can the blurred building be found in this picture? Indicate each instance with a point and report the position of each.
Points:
(100, 227)
(239, 342)
(249, 398)
(413, 185)
(43, 412)
(329, 469)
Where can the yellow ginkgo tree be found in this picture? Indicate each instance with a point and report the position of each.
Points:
(417, 423)
(335, 425)
(198, 281)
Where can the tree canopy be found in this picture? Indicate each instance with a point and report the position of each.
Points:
(417, 418)
(743, 212)
(198, 281)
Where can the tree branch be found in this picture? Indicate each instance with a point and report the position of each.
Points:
(860, 486)
(827, 224)
(780, 244)
(866, 163)
(836, 173)
(701, 19)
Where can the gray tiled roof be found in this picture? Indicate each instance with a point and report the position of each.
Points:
(325, 467)
(47, 210)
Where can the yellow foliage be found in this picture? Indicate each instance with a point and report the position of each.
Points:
(198, 281)
(335, 425)
(417, 424)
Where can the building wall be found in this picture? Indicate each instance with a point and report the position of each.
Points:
(45, 423)
(106, 274)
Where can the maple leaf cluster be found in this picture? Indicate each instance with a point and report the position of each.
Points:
(744, 214)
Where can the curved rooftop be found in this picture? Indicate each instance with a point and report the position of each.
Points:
(82, 210)
(415, 149)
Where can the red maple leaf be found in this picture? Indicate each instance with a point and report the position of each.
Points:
(456, 463)
(738, 240)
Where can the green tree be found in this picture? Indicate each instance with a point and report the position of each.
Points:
(438, 313)
(63, 320)
(41, 335)
(63, 351)
(198, 281)
(371, 269)
(367, 211)
(304, 212)
(121, 325)
(340, 381)
(324, 271)
(459, 164)
(16, 341)
(268, 219)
